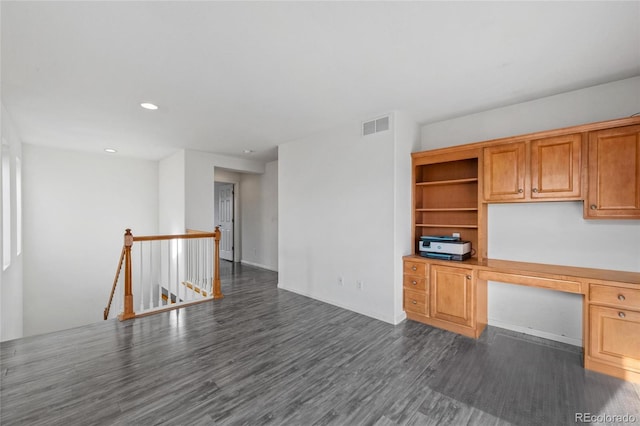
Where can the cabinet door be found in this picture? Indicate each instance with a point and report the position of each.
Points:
(452, 294)
(504, 171)
(613, 336)
(555, 167)
(614, 174)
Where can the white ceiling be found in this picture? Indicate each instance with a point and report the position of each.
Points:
(230, 76)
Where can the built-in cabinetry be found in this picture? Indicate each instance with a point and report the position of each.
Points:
(532, 170)
(614, 173)
(598, 163)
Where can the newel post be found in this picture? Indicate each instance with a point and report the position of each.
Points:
(128, 293)
(217, 292)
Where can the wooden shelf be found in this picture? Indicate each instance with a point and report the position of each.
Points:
(435, 225)
(450, 209)
(447, 182)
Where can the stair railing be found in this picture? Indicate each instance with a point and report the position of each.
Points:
(171, 271)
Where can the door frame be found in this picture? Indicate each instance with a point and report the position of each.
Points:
(236, 214)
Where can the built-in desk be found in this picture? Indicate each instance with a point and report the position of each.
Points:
(453, 296)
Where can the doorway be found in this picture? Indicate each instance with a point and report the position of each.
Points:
(226, 219)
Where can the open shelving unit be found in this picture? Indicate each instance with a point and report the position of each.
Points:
(446, 198)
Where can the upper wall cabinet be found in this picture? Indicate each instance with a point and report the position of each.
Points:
(555, 167)
(504, 172)
(614, 174)
(547, 168)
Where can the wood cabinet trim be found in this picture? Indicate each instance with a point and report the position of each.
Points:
(582, 128)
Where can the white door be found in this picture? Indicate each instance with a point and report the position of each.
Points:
(225, 218)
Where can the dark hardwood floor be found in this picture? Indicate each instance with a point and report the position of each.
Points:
(268, 356)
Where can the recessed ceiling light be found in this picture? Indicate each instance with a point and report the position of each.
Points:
(110, 150)
(147, 105)
(248, 151)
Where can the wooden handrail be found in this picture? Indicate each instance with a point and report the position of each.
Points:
(175, 237)
(115, 282)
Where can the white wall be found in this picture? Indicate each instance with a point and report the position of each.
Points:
(200, 175)
(76, 207)
(199, 201)
(259, 200)
(11, 279)
(335, 219)
(407, 140)
(552, 233)
(171, 194)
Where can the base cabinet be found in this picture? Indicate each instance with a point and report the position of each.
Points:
(416, 289)
(452, 294)
(443, 296)
(615, 336)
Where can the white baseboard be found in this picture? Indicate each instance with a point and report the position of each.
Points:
(259, 265)
(537, 333)
(374, 315)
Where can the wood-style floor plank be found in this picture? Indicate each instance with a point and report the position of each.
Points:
(267, 356)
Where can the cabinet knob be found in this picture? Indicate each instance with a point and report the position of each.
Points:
(593, 207)
(621, 297)
(535, 189)
(414, 282)
(520, 191)
(621, 314)
(415, 302)
(468, 277)
(413, 268)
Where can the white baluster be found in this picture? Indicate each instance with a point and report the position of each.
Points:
(178, 286)
(140, 278)
(169, 280)
(150, 282)
(158, 274)
(209, 259)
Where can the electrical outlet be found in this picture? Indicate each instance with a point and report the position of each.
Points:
(359, 285)
(456, 234)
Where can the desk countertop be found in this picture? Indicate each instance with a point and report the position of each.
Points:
(540, 269)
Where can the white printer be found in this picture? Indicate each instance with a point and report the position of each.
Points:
(444, 247)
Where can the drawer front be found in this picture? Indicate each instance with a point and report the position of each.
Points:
(613, 336)
(415, 282)
(622, 297)
(415, 301)
(415, 268)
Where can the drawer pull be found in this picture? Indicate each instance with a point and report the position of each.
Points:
(520, 191)
(593, 207)
(621, 314)
(621, 297)
(535, 189)
(415, 302)
(468, 277)
(414, 268)
(414, 282)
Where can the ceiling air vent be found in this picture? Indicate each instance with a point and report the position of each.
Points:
(375, 126)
